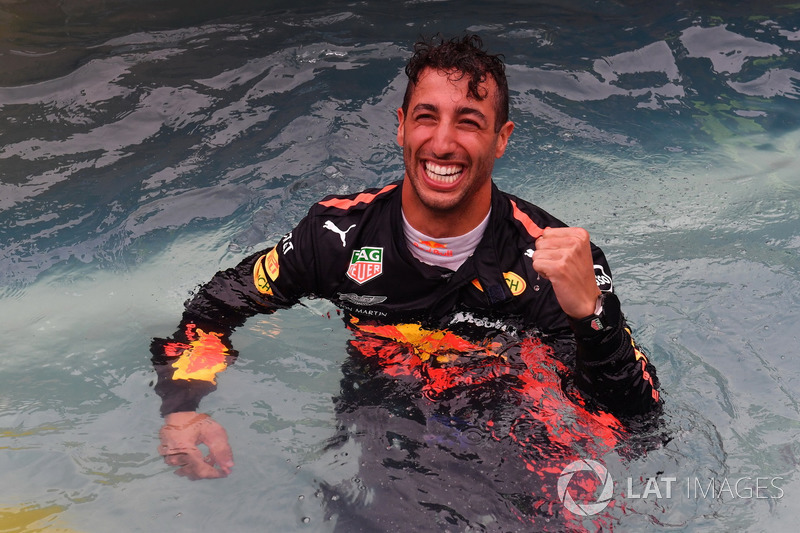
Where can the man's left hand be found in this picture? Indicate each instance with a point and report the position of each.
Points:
(564, 257)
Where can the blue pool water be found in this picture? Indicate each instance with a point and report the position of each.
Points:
(145, 145)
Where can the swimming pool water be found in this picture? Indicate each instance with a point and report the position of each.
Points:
(143, 147)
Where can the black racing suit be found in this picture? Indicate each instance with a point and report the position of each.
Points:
(486, 348)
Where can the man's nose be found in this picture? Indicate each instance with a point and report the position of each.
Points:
(443, 140)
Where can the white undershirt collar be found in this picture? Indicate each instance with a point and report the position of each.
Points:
(448, 252)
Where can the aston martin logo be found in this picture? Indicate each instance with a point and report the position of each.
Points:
(361, 299)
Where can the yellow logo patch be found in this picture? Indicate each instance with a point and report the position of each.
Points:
(260, 277)
(514, 281)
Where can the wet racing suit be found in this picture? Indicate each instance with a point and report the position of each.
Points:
(485, 350)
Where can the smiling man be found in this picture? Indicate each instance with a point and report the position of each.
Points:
(450, 140)
(449, 285)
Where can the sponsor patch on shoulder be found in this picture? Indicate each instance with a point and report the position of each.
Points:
(260, 277)
(603, 279)
(271, 262)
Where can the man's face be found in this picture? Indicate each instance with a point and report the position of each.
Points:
(450, 144)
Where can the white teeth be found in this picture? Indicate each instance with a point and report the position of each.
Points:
(446, 174)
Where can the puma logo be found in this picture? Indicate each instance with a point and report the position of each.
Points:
(342, 234)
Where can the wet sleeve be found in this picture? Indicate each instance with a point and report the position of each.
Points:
(187, 363)
(610, 367)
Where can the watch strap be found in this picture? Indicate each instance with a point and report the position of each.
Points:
(600, 322)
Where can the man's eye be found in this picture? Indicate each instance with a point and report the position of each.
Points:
(470, 124)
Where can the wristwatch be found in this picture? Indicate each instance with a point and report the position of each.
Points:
(604, 319)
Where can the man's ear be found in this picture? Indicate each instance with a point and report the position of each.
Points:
(502, 139)
(400, 122)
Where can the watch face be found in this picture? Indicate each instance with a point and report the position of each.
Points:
(598, 305)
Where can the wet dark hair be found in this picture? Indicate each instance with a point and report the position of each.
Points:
(460, 57)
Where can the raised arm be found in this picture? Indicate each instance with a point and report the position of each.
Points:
(609, 367)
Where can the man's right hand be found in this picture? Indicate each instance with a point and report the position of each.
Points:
(182, 433)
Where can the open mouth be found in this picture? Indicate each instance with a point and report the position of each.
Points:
(445, 174)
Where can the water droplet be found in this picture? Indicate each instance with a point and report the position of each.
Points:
(301, 497)
(306, 520)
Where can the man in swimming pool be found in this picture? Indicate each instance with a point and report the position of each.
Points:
(441, 265)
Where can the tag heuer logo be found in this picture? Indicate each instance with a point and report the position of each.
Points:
(366, 264)
(273, 267)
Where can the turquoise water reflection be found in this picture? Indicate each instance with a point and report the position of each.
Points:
(140, 154)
